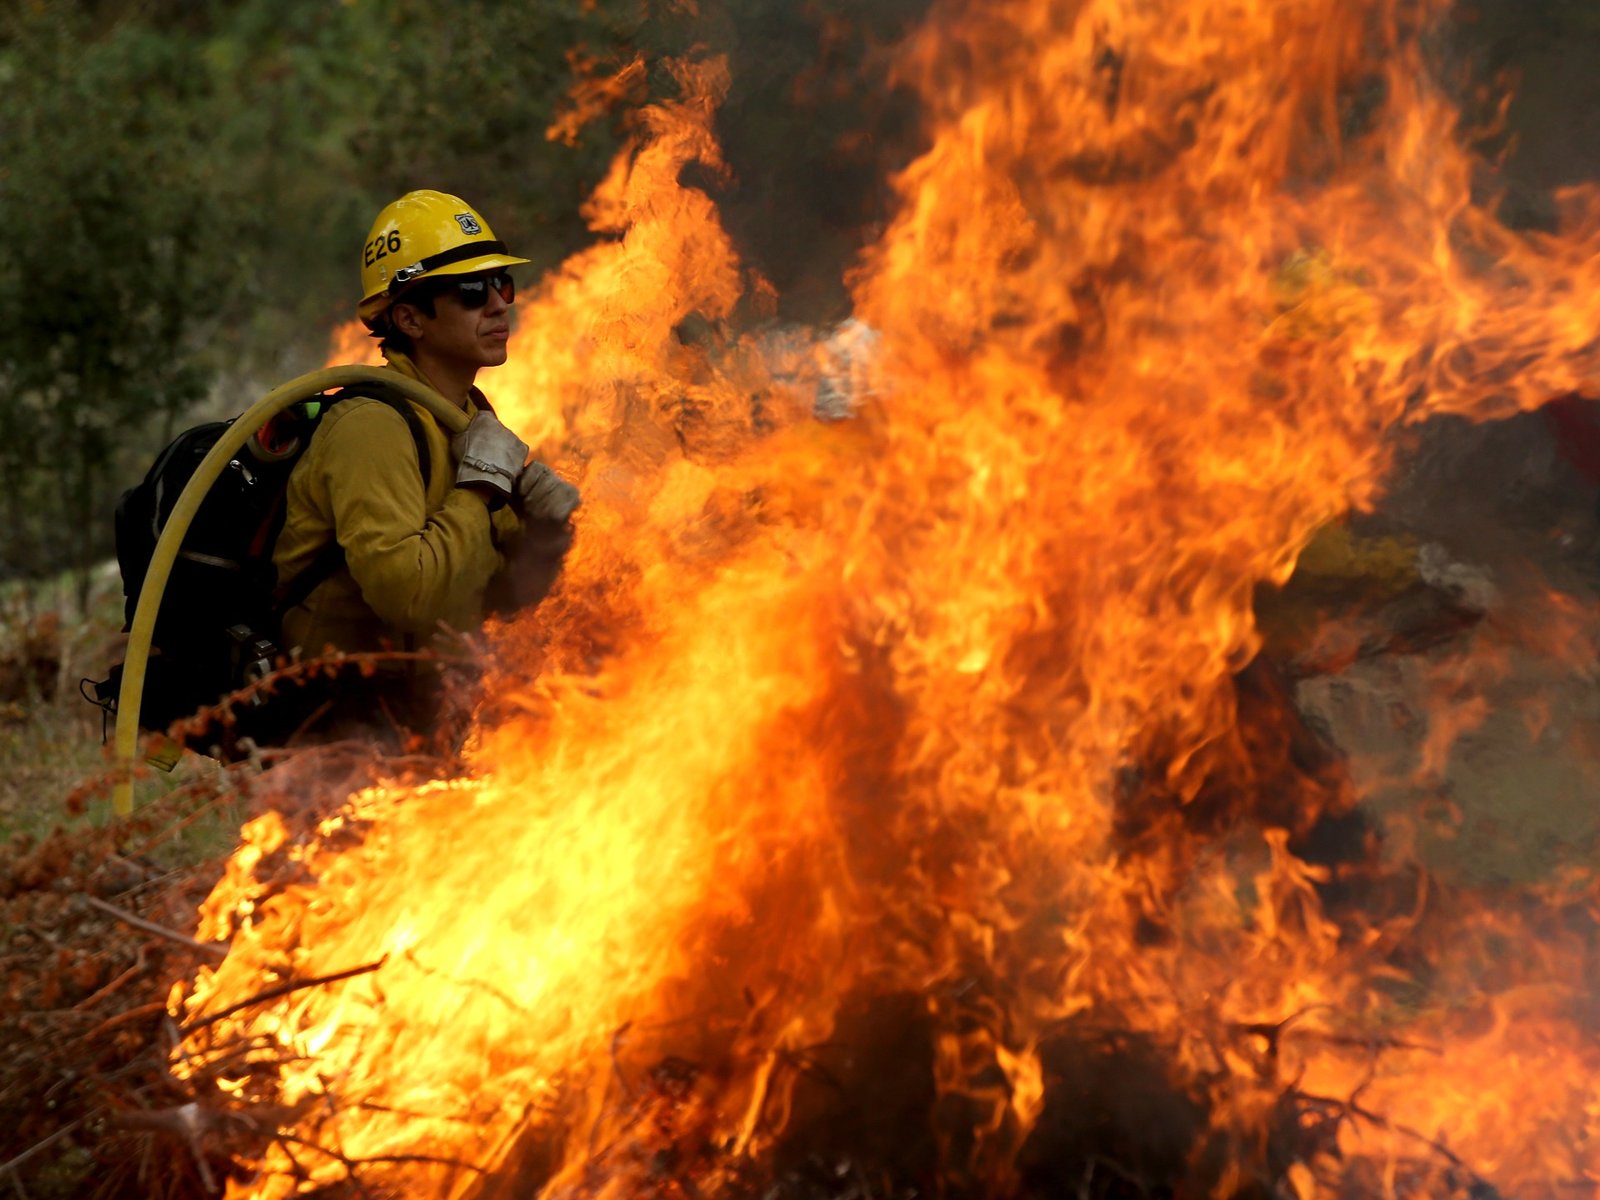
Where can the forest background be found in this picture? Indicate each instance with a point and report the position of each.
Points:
(184, 185)
(183, 182)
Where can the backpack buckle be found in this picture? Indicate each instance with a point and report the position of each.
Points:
(254, 655)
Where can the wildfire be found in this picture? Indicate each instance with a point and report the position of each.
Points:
(942, 701)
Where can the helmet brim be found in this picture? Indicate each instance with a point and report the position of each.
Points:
(373, 306)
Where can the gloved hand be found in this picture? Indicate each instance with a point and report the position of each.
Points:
(533, 563)
(489, 455)
(542, 495)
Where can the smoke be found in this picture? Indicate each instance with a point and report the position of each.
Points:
(813, 128)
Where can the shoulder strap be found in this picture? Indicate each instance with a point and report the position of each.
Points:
(331, 557)
(395, 399)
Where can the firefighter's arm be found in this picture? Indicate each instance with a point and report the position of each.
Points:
(533, 556)
(414, 568)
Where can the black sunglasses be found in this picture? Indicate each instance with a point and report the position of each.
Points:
(473, 292)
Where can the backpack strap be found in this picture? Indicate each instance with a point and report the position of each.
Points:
(395, 399)
(331, 557)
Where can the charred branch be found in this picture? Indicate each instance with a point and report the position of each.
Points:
(280, 990)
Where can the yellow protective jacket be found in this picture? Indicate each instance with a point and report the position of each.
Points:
(417, 555)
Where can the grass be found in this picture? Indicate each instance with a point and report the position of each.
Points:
(54, 745)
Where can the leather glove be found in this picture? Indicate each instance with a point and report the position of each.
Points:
(489, 455)
(542, 495)
(533, 563)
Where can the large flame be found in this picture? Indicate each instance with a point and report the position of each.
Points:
(940, 699)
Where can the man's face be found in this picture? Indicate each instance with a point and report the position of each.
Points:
(470, 324)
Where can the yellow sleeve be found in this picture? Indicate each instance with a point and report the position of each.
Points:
(507, 526)
(415, 567)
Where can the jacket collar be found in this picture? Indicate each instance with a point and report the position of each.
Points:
(398, 360)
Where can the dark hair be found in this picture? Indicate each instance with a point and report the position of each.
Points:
(421, 296)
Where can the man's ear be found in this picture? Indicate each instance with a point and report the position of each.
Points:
(406, 319)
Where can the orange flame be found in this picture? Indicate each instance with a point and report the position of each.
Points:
(940, 699)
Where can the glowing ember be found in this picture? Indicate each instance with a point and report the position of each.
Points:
(940, 701)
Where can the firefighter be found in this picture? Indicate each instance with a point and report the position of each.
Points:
(374, 555)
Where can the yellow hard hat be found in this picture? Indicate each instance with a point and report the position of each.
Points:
(424, 234)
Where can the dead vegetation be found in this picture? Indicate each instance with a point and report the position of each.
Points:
(92, 942)
(49, 738)
(94, 920)
(93, 938)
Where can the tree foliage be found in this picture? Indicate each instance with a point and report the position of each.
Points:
(183, 183)
(182, 186)
(109, 253)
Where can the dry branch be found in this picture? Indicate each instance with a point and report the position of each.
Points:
(283, 989)
(188, 1122)
(172, 935)
(122, 1018)
(1481, 1187)
(132, 972)
(10, 1166)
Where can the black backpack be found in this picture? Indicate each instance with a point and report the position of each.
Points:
(217, 629)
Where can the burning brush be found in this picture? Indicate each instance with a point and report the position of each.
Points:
(889, 805)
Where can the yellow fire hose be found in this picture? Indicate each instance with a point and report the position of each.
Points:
(126, 744)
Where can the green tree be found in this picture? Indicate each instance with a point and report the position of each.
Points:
(461, 99)
(107, 270)
(181, 189)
